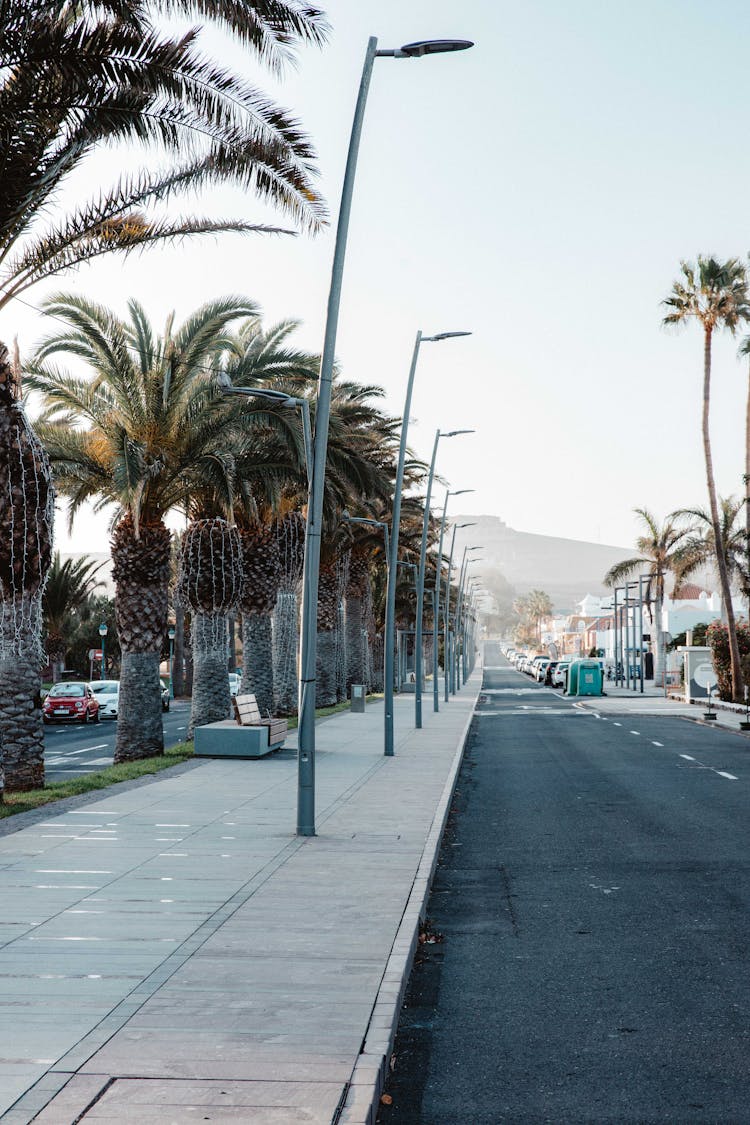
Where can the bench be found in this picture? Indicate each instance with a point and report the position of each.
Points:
(247, 735)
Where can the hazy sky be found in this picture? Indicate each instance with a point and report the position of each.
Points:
(539, 190)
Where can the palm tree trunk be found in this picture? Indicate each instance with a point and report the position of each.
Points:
(178, 657)
(139, 725)
(21, 723)
(141, 575)
(212, 701)
(326, 694)
(285, 652)
(721, 561)
(355, 648)
(257, 648)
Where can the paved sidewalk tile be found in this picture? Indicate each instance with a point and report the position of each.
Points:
(174, 952)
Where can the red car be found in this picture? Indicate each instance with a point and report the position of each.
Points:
(71, 701)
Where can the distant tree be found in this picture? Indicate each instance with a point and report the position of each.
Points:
(663, 550)
(715, 294)
(69, 586)
(700, 548)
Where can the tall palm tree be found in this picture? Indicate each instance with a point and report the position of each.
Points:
(715, 294)
(26, 515)
(69, 585)
(139, 432)
(77, 75)
(664, 550)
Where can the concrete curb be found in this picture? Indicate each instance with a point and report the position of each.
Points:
(365, 1086)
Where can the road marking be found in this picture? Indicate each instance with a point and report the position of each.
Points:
(687, 757)
(618, 724)
(635, 732)
(85, 749)
(182, 728)
(728, 776)
(658, 743)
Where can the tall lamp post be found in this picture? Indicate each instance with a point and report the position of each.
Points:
(448, 645)
(460, 623)
(306, 736)
(171, 633)
(103, 630)
(390, 608)
(436, 601)
(418, 663)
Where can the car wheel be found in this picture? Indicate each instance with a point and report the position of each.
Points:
(86, 717)
(97, 717)
(165, 706)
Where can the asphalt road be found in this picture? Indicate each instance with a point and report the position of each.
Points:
(593, 898)
(71, 749)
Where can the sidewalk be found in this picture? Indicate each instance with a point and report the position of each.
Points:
(653, 702)
(173, 952)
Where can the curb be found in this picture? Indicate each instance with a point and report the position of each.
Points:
(361, 1099)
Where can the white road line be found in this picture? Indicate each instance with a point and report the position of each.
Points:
(658, 743)
(85, 749)
(687, 757)
(635, 732)
(618, 724)
(728, 776)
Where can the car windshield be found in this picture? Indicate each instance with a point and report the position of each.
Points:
(106, 687)
(67, 691)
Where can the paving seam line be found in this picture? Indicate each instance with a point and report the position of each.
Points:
(370, 1071)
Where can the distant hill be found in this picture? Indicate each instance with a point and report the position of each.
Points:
(567, 569)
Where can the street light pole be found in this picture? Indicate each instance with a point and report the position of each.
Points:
(171, 632)
(103, 630)
(390, 607)
(436, 602)
(447, 610)
(306, 735)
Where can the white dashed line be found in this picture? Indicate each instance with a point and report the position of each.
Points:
(657, 743)
(635, 732)
(687, 757)
(618, 724)
(728, 776)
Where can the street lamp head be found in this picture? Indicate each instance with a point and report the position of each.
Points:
(466, 524)
(171, 632)
(479, 547)
(455, 433)
(433, 47)
(444, 336)
(461, 491)
(103, 630)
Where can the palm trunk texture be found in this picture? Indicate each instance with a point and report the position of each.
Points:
(141, 575)
(726, 592)
(285, 663)
(326, 691)
(178, 658)
(212, 700)
(257, 646)
(21, 724)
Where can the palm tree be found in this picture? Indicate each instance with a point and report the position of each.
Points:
(143, 430)
(539, 606)
(81, 74)
(716, 295)
(700, 548)
(663, 550)
(25, 557)
(69, 585)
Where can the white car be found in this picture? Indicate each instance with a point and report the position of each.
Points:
(541, 670)
(107, 693)
(560, 674)
(235, 683)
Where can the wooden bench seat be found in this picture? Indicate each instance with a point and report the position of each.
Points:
(248, 735)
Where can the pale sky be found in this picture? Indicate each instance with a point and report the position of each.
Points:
(539, 190)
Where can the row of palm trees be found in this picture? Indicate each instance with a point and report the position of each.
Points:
(682, 546)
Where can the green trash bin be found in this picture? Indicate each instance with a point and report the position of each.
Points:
(585, 678)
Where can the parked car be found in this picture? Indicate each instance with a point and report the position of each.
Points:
(560, 676)
(550, 671)
(74, 702)
(164, 696)
(541, 670)
(107, 693)
(235, 683)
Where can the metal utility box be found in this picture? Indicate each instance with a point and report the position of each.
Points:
(358, 699)
(585, 678)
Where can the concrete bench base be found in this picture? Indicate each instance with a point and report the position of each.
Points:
(228, 740)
